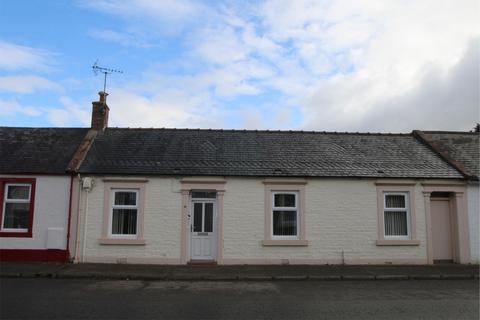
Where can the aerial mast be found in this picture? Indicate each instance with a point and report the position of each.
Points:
(106, 71)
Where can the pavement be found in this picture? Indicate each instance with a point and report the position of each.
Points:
(238, 272)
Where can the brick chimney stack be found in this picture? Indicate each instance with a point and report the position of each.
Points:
(100, 112)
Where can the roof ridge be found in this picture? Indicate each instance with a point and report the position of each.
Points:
(264, 131)
(450, 132)
(7, 127)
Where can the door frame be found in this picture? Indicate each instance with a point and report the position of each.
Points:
(200, 184)
(214, 226)
(458, 218)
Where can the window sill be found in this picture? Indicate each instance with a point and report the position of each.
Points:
(130, 242)
(298, 243)
(15, 234)
(385, 242)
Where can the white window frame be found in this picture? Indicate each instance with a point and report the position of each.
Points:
(5, 200)
(407, 212)
(296, 209)
(114, 206)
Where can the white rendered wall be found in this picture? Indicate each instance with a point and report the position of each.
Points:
(51, 211)
(473, 195)
(341, 225)
(162, 215)
(341, 216)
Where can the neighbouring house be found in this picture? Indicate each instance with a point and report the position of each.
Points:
(36, 192)
(176, 196)
(461, 150)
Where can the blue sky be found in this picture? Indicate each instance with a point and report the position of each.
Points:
(389, 66)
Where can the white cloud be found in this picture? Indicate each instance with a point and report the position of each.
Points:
(12, 108)
(220, 46)
(345, 63)
(59, 117)
(168, 16)
(167, 108)
(128, 39)
(17, 57)
(265, 117)
(252, 118)
(167, 9)
(442, 100)
(71, 113)
(390, 69)
(27, 84)
(380, 51)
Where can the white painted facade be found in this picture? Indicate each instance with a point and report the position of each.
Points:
(162, 216)
(473, 196)
(341, 219)
(50, 217)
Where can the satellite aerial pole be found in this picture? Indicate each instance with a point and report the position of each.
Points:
(96, 68)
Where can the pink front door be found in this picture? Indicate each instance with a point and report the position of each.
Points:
(441, 229)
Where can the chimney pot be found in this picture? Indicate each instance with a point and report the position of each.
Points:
(103, 96)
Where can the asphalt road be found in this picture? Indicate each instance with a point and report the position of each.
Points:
(90, 299)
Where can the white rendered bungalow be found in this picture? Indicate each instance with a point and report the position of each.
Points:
(36, 192)
(177, 196)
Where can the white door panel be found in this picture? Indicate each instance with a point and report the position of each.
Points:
(203, 230)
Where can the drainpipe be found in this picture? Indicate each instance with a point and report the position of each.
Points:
(87, 185)
(79, 201)
(69, 218)
(84, 241)
(77, 231)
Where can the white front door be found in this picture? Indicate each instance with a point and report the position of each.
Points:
(203, 230)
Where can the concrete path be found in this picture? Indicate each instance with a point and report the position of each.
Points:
(229, 273)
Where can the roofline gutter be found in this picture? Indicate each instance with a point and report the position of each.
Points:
(150, 174)
(420, 136)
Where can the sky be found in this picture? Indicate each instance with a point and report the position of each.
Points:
(363, 65)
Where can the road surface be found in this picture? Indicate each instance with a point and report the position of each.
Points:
(95, 299)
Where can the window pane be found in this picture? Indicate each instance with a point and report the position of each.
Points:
(284, 223)
(16, 215)
(197, 217)
(204, 194)
(284, 200)
(124, 221)
(125, 198)
(396, 223)
(18, 192)
(395, 201)
(208, 217)
(437, 194)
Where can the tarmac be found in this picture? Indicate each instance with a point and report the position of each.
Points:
(237, 272)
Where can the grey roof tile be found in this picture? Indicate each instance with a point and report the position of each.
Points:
(262, 153)
(38, 150)
(463, 148)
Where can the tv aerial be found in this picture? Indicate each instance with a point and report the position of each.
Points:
(106, 71)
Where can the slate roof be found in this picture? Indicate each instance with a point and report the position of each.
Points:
(461, 148)
(38, 150)
(262, 153)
